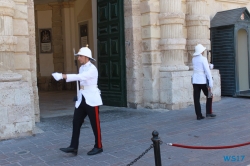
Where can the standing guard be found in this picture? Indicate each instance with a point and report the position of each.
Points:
(202, 80)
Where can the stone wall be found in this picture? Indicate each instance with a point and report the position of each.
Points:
(151, 55)
(19, 108)
(178, 93)
(133, 50)
(160, 41)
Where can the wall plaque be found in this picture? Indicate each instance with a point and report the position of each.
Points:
(83, 34)
(45, 41)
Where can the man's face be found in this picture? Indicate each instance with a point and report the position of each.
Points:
(82, 59)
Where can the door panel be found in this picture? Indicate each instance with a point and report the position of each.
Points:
(243, 66)
(111, 52)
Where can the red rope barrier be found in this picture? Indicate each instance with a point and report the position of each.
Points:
(208, 147)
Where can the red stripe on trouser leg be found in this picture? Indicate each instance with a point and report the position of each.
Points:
(99, 144)
(211, 105)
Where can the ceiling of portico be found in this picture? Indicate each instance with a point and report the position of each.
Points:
(38, 2)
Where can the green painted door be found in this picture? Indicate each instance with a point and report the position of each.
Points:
(111, 52)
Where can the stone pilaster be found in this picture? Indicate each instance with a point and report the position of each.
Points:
(57, 36)
(197, 22)
(37, 46)
(16, 114)
(151, 55)
(32, 55)
(172, 42)
(70, 43)
(132, 18)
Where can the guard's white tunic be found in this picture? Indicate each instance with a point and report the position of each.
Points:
(87, 76)
(201, 71)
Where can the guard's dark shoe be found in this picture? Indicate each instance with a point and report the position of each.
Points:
(95, 151)
(210, 115)
(69, 150)
(201, 117)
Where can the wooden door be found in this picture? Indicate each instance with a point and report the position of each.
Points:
(111, 52)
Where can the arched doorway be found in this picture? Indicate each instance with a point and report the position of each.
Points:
(243, 62)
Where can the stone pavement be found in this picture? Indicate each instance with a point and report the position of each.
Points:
(126, 133)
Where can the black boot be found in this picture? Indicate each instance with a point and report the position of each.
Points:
(69, 150)
(95, 151)
(210, 115)
(200, 117)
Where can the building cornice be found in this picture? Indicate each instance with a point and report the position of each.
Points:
(235, 1)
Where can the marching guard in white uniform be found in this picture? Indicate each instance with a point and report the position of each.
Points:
(201, 75)
(88, 101)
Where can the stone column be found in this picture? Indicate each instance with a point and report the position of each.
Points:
(172, 38)
(57, 36)
(151, 55)
(16, 114)
(132, 18)
(174, 75)
(7, 40)
(198, 23)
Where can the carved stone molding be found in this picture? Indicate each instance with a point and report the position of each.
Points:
(8, 43)
(194, 42)
(172, 44)
(9, 77)
(235, 1)
(7, 3)
(42, 7)
(6, 61)
(7, 8)
(172, 18)
(171, 15)
(68, 4)
(174, 68)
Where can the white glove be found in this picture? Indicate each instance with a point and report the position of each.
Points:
(211, 66)
(57, 76)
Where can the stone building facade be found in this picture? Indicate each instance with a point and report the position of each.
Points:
(19, 106)
(160, 36)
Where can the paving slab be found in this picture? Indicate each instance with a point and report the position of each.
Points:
(127, 133)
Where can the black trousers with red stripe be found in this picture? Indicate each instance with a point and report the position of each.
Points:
(79, 115)
(196, 94)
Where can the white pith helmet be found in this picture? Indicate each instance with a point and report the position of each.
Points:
(85, 51)
(199, 49)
